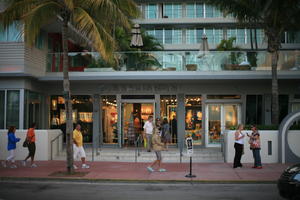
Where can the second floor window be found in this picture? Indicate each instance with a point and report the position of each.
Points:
(172, 10)
(194, 10)
(151, 11)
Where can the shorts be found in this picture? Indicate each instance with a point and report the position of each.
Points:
(78, 152)
(31, 148)
(158, 155)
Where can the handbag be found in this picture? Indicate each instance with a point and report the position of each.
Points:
(25, 143)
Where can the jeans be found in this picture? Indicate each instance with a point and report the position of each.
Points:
(256, 156)
(149, 141)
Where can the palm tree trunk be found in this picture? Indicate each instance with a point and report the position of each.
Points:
(255, 38)
(275, 104)
(67, 97)
(251, 39)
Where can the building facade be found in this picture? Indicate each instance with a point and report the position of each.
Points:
(200, 94)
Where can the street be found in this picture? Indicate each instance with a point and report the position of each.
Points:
(122, 190)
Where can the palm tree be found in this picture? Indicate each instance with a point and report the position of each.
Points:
(92, 18)
(275, 17)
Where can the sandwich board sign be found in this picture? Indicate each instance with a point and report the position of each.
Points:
(189, 146)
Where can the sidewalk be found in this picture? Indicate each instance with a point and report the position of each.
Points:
(205, 172)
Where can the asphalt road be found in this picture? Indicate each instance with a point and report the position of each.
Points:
(135, 191)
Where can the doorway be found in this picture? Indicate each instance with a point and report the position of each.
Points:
(220, 117)
(134, 115)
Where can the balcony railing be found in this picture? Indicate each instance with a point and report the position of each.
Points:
(175, 61)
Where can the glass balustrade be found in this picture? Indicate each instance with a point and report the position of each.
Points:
(175, 61)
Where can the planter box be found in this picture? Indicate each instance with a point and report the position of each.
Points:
(99, 69)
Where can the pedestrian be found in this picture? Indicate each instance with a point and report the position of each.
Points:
(78, 147)
(11, 147)
(30, 138)
(166, 136)
(148, 129)
(238, 146)
(158, 146)
(254, 142)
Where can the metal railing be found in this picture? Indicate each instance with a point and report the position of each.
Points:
(52, 141)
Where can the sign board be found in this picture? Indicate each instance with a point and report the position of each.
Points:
(189, 146)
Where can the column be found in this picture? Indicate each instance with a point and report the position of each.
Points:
(96, 120)
(180, 120)
(157, 106)
(119, 110)
(203, 101)
(21, 109)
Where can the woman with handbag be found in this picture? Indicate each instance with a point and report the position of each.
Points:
(30, 137)
(254, 142)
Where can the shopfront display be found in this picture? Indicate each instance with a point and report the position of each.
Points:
(82, 113)
(193, 118)
(168, 110)
(109, 119)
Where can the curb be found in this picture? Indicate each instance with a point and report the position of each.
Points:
(86, 180)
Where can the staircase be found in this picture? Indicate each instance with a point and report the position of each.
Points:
(201, 155)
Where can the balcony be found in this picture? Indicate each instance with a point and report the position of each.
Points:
(213, 61)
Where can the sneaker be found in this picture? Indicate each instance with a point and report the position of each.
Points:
(33, 165)
(150, 169)
(13, 166)
(85, 166)
(4, 164)
(23, 163)
(254, 167)
(259, 167)
(162, 170)
(75, 167)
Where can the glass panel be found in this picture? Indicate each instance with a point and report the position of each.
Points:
(199, 33)
(254, 109)
(2, 112)
(12, 108)
(190, 36)
(193, 118)
(168, 106)
(209, 35)
(218, 36)
(209, 11)
(109, 119)
(134, 117)
(214, 124)
(177, 36)
(231, 116)
(151, 11)
(177, 11)
(293, 37)
(168, 36)
(295, 107)
(190, 10)
(159, 35)
(240, 38)
(82, 114)
(32, 106)
(199, 10)
(168, 10)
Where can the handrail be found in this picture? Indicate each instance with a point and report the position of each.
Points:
(56, 138)
(137, 150)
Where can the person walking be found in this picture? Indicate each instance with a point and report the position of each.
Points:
(158, 146)
(254, 142)
(148, 129)
(78, 147)
(238, 146)
(11, 147)
(30, 137)
(166, 136)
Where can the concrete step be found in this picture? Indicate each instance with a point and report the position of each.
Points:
(172, 155)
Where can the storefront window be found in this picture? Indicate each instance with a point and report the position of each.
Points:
(12, 108)
(193, 118)
(32, 109)
(2, 112)
(82, 114)
(109, 119)
(168, 107)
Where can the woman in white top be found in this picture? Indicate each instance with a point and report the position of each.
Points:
(238, 146)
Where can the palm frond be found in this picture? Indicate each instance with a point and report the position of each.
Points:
(101, 39)
(39, 16)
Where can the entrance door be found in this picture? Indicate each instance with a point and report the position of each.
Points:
(134, 115)
(220, 117)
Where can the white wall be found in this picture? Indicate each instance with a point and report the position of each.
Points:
(265, 136)
(43, 144)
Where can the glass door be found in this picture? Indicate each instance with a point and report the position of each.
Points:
(134, 115)
(220, 117)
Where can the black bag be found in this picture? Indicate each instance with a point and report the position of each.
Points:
(25, 143)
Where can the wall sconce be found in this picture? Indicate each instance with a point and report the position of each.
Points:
(54, 104)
